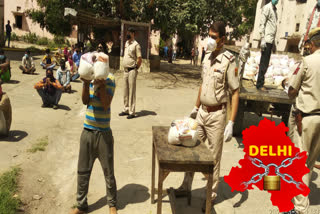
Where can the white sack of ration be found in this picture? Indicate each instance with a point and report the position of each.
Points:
(183, 132)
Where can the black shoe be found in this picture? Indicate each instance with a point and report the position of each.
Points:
(45, 105)
(291, 212)
(123, 114)
(55, 107)
(131, 116)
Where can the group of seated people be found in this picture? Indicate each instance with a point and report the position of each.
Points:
(50, 88)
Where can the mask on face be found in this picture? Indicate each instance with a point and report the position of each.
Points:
(26, 55)
(2, 57)
(211, 45)
(128, 36)
(275, 2)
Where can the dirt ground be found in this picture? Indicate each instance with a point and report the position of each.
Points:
(161, 97)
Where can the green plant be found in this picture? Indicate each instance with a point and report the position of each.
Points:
(40, 145)
(42, 41)
(59, 40)
(8, 187)
(14, 37)
(30, 38)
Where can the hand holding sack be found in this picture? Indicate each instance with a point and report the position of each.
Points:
(183, 132)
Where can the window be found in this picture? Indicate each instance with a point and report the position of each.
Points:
(301, 1)
(297, 27)
(19, 22)
(18, 9)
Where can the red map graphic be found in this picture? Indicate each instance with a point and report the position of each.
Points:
(268, 134)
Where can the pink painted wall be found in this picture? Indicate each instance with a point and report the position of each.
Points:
(27, 24)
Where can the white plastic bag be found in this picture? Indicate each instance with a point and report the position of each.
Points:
(101, 66)
(86, 70)
(183, 132)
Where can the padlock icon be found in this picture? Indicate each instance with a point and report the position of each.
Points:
(271, 183)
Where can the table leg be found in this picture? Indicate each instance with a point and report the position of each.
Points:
(209, 193)
(160, 183)
(153, 174)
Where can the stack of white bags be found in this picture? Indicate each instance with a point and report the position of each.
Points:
(94, 66)
(183, 132)
(280, 68)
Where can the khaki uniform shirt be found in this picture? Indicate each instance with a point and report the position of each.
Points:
(28, 63)
(306, 81)
(132, 52)
(218, 78)
(268, 23)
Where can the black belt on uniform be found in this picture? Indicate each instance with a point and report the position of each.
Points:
(130, 69)
(214, 108)
(310, 114)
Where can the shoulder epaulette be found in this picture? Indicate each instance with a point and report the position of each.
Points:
(229, 56)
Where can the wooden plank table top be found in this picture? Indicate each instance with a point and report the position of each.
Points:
(167, 153)
(273, 95)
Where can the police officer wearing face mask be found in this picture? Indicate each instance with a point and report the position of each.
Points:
(313, 21)
(268, 30)
(27, 66)
(131, 63)
(219, 77)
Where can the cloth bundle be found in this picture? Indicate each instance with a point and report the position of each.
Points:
(94, 66)
(183, 132)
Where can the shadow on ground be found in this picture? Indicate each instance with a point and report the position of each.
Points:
(144, 113)
(314, 190)
(129, 194)
(15, 136)
(64, 107)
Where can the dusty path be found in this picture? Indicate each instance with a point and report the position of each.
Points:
(161, 97)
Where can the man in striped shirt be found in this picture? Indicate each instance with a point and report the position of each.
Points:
(96, 141)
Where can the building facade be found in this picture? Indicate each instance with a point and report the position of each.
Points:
(15, 12)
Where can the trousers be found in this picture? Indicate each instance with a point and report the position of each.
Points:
(211, 127)
(129, 98)
(93, 145)
(310, 142)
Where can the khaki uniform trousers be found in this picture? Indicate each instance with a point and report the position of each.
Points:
(310, 142)
(130, 79)
(211, 128)
(291, 126)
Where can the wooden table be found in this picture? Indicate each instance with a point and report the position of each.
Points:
(178, 159)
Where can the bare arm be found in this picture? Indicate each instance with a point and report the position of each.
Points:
(292, 93)
(103, 95)
(85, 92)
(139, 62)
(198, 103)
(5, 65)
(234, 104)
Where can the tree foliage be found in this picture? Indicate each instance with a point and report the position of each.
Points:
(185, 17)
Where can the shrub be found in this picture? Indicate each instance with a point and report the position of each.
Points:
(58, 40)
(42, 41)
(30, 38)
(14, 37)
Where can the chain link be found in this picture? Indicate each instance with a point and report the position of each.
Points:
(258, 177)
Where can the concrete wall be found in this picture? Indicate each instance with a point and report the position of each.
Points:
(290, 13)
(27, 24)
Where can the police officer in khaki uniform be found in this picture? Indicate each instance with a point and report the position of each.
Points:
(131, 62)
(219, 80)
(306, 89)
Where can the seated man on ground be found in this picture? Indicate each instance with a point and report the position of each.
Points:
(47, 61)
(50, 90)
(27, 66)
(63, 76)
(5, 73)
(5, 114)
